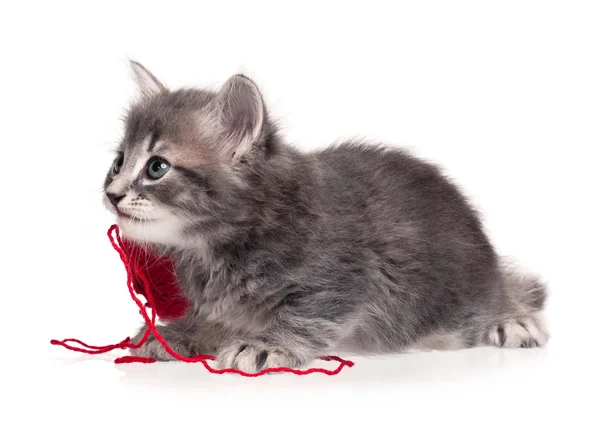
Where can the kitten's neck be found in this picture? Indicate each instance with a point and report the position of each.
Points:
(282, 189)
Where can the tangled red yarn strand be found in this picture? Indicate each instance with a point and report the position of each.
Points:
(166, 301)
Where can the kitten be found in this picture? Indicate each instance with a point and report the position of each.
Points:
(286, 256)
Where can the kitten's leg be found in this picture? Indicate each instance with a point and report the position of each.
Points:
(441, 341)
(288, 344)
(513, 332)
(252, 355)
(152, 348)
(520, 325)
(186, 337)
(517, 332)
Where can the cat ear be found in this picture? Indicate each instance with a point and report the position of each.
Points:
(240, 113)
(148, 85)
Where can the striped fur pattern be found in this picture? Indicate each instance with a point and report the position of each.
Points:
(288, 255)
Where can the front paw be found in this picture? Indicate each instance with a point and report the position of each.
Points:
(254, 356)
(152, 348)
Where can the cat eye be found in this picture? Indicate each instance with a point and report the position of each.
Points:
(117, 164)
(157, 167)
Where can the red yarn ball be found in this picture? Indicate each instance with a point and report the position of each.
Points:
(168, 298)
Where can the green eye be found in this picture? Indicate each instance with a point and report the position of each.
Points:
(157, 168)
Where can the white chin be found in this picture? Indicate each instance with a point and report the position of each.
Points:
(150, 231)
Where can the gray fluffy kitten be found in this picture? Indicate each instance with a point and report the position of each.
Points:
(287, 256)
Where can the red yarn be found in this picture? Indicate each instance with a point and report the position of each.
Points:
(153, 277)
(169, 302)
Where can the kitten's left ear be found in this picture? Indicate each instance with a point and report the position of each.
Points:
(240, 113)
(148, 84)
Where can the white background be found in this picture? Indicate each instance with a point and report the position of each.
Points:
(505, 95)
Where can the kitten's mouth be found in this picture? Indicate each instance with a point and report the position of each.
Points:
(131, 218)
(123, 214)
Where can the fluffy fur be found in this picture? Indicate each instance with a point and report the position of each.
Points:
(286, 256)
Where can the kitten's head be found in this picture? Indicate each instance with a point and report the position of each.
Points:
(181, 169)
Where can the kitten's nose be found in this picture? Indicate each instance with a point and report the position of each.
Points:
(115, 198)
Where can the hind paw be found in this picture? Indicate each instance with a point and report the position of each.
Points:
(523, 332)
